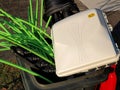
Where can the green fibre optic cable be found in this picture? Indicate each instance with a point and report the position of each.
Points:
(24, 69)
(41, 13)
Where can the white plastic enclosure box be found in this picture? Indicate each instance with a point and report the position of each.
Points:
(82, 42)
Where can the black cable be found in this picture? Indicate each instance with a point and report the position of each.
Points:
(33, 60)
(52, 6)
(59, 9)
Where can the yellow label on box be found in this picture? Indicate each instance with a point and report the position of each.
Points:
(91, 15)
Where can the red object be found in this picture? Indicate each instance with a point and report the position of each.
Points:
(110, 83)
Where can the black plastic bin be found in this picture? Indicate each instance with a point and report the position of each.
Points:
(87, 82)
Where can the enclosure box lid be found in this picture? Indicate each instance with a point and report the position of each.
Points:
(82, 42)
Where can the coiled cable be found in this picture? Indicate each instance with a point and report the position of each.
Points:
(59, 9)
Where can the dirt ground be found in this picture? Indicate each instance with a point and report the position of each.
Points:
(10, 78)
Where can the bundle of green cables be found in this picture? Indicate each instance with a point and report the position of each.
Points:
(24, 35)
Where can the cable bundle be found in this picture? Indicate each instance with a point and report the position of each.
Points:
(59, 9)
